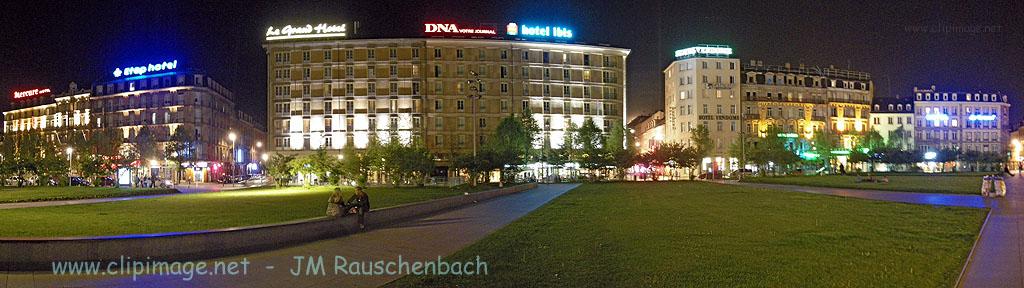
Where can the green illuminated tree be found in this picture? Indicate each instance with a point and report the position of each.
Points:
(279, 168)
(590, 154)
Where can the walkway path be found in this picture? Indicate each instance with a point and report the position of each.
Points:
(416, 240)
(962, 200)
(201, 188)
(998, 259)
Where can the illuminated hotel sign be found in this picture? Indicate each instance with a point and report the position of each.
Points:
(139, 70)
(703, 50)
(975, 117)
(31, 93)
(321, 30)
(448, 28)
(538, 31)
(937, 117)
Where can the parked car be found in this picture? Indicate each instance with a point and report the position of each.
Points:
(710, 176)
(79, 181)
(106, 182)
(736, 173)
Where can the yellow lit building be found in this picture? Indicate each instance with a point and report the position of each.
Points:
(806, 100)
(327, 90)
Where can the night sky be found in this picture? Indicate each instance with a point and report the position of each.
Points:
(961, 45)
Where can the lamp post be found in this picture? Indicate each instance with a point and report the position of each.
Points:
(232, 137)
(69, 150)
(476, 87)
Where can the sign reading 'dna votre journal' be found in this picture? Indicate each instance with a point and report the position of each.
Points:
(308, 31)
(449, 28)
(140, 70)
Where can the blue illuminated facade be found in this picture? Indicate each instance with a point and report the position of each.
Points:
(965, 121)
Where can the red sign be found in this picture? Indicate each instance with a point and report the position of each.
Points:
(448, 28)
(31, 93)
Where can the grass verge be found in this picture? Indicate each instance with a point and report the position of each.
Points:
(201, 211)
(37, 194)
(710, 235)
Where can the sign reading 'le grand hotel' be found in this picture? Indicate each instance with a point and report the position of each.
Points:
(308, 31)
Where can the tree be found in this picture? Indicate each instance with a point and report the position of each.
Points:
(8, 157)
(127, 157)
(105, 146)
(279, 168)
(899, 138)
(823, 144)
(867, 149)
(354, 165)
(622, 150)
(511, 145)
(701, 147)
(303, 165)
(391, 161)
(28, 156)
(146, 144)
(179, 150)
(475, 166)
(418, 161)
(676, 155)
(771, 149)
(701, 141)
(945, 156)
(53, 165)
(590, 141)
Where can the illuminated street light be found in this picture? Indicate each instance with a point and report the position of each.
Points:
(232, 137)
(259, 144)
(265, 157)
(69, 151)
(930, 155)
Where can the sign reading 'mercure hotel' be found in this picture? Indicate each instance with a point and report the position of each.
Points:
(309, 31)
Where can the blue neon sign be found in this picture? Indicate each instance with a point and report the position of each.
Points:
(538, 31)
(981, 117)
(139, 70)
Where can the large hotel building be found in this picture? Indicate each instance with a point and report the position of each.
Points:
(162, 103)
(968, 121)
(707, 86)
(325, 90)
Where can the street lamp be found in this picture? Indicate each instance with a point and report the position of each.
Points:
(474, 96)
(232, 137)
(69, 150)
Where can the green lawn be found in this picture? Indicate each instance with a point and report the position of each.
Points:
(190, 212)
(35, 193)
(955, 184)
(676, 234)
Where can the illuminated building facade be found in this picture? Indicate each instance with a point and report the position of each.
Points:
(54, 117)
(893, 118)
(648, 131)
(1016, 147)
(801, 101)
(162, 103)
(972, 121)
(166, 102)
(702, 87)
(327, 92)
(707, 86)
